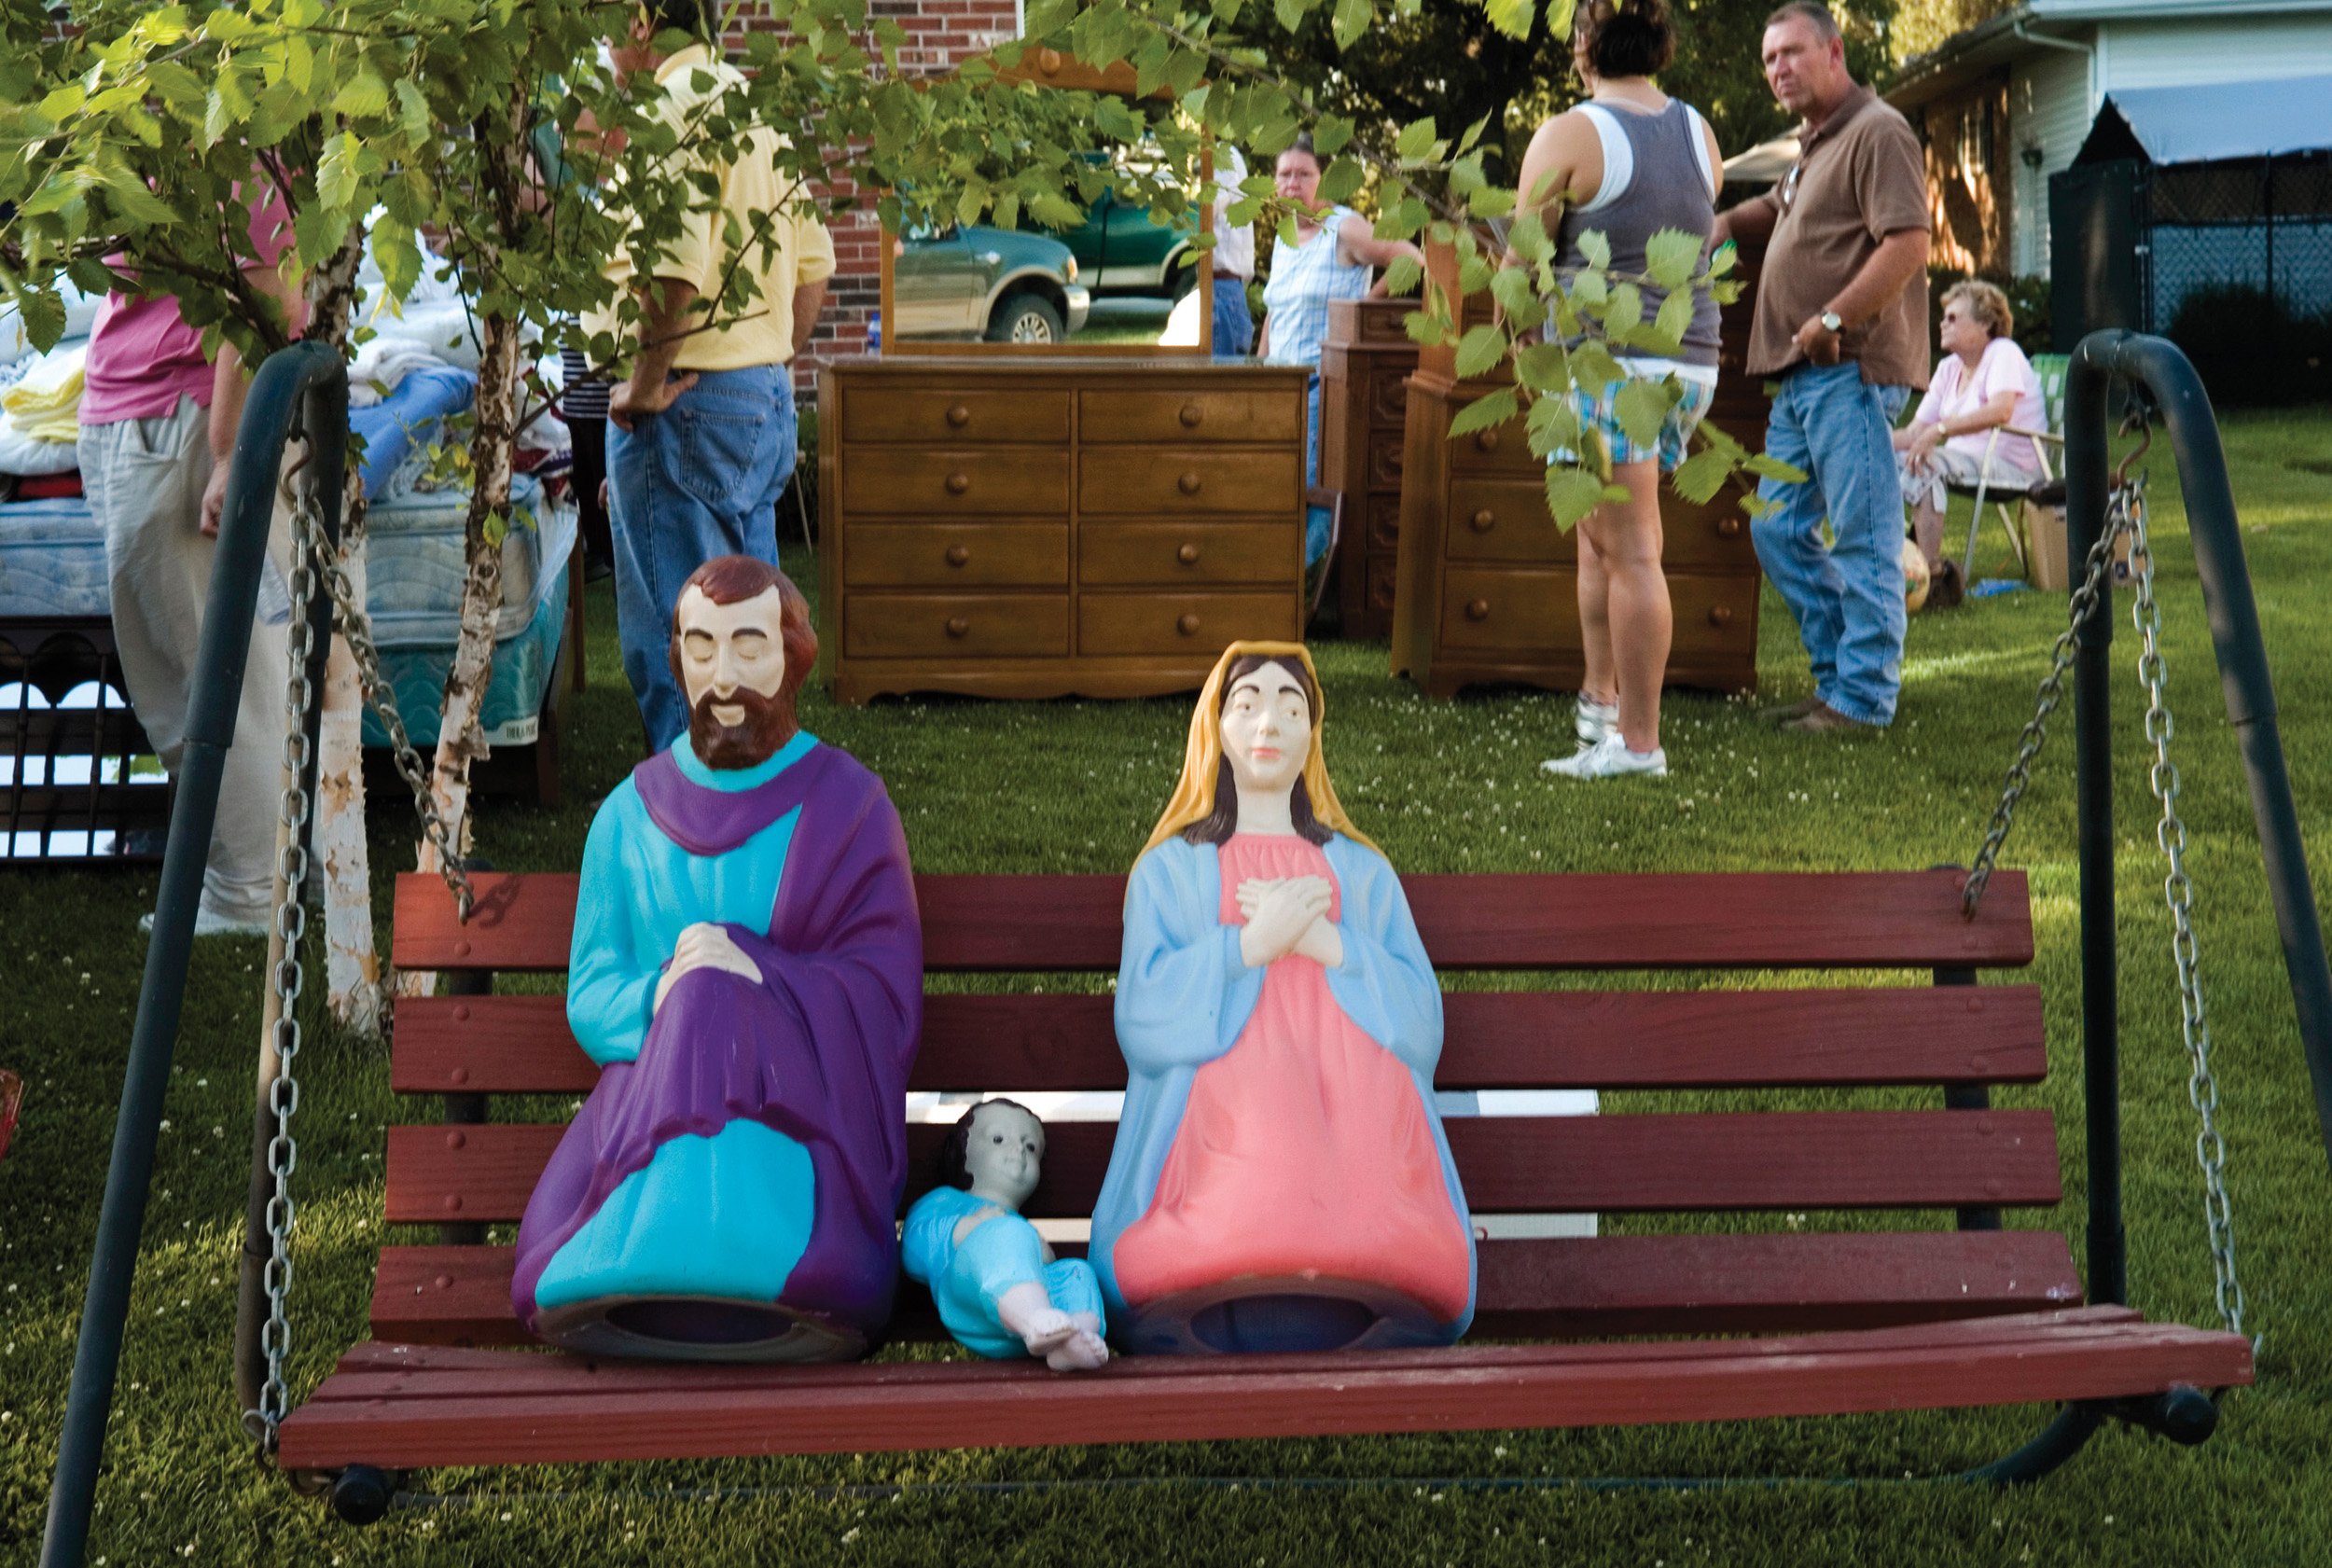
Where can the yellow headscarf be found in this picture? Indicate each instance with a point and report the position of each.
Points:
(1201, 759)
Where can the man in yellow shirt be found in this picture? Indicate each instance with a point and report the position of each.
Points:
(704, 431)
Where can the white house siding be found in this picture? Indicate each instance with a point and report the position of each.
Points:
(2213, 50)
(2048, 108)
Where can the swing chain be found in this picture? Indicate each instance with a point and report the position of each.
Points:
(2096, 570)
(2210, 1146)
(349, 621)
(287, 978)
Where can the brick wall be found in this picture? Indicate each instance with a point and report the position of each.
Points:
(942, 34)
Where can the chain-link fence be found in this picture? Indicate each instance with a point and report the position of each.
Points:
(2262, 224)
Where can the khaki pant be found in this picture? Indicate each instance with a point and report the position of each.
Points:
(145, 478)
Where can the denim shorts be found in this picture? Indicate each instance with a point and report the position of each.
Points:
(1602, 412)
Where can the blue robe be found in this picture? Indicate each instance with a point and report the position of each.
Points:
(1185, 995)
(968, 1278)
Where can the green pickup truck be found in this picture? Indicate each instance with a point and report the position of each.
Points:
(1121, 252)
(997, 283)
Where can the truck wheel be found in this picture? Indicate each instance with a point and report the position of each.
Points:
(1025, 318)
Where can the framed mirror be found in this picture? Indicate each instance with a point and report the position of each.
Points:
(1121, 282)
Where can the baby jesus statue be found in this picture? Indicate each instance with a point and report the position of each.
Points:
(998, 1287)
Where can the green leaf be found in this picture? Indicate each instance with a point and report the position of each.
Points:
(364, 95)
(1485, 412)
(1289, 13)
(1590, 290)
(1700, 476)
(1528, 238)
(129, 196)
(1727, 256)
(1595, 245)
(1554, 428)
(1623, 312)
(1671, 256)
(1404, 275)
(1511, 17)
(1467, 175)
(43, 310)
(1489, 201)
(399, 258)
(1342, 180)
(1571, 494)
(1773, 468)
(1352, 19)
(1428, 328)
(1594, 368)
(1331, 135)
(1640, 407)
(412, 111)
(64, 102)
(1541, 368)
(1511, 286)
(1665, 337)
(1416, 140)
(1482, 347)
(336, 173)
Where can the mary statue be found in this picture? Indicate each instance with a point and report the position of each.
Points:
(1279, 1179)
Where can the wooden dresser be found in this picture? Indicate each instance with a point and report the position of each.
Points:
(1487, 589)
(1364, 366)
(1055, 526)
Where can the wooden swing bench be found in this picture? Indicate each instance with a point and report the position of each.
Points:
(1954, 1312)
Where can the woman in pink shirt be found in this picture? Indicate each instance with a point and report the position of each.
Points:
(1983, 383)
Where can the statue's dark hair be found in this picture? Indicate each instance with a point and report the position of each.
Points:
(1220, 824)
(955, 1169)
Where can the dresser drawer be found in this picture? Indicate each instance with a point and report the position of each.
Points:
(1384, 521)
(1714, 614)
(1384, 577)
(957, 555)
(1206, 416)
(1503, 449)
(1713, 534)
(1170, 554)
(1197, 625)
(924, 484)
(956, 626)
(1505, 520)
(1388, 393)
(1138, 480)
(981, 415)
(1384, 459)
(1491, 610)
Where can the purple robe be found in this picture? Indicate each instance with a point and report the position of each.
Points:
(819, 1051)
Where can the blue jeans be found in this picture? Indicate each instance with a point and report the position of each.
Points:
(699, 480)
(1848, 594)
(1234, 325)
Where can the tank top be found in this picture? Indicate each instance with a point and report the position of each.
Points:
(1656, 177)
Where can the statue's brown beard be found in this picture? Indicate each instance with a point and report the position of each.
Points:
(769, 724)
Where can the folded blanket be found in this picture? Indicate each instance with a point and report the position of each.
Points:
(29, 455)
(383, 364)
(46, 403)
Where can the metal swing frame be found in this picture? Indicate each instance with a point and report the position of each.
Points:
(309, 379)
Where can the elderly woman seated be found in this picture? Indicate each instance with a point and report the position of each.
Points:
(1983, 388)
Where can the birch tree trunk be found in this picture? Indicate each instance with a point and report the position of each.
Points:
(351, 959)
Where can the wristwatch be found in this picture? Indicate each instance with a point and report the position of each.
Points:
(1831, 321)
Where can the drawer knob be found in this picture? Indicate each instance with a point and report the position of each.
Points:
(1187, 555)
(1191, 415)
(959, 416)
(958, 555)
(1478, 610)
(958, 483)
(1720, 615)
(1487, 440)
(1189, 484)
(1728, 528)
(1484, 520)
(959, 627)
(1188, 625)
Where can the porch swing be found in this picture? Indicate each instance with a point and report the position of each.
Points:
(1794, 1323)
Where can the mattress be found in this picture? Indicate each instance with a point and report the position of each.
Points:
(524, 666)
(414, 564)
(52, 560)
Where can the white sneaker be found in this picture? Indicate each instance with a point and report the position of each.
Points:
(1595, 720)
(1609, 758)
(208, 924)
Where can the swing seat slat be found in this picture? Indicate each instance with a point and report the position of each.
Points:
(1942, 1310)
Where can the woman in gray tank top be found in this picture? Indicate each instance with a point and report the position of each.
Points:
(1628, 164)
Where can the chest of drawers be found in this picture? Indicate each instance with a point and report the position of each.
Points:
(1487, 585)
(1082, 526)
(1364, 366)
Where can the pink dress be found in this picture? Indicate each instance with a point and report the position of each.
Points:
(1304, 1150)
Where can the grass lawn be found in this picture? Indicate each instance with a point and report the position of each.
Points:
(1445, 786)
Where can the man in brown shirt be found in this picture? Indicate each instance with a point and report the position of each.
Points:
(1841, 322)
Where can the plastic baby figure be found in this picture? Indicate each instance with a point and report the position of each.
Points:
(999, 1289)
